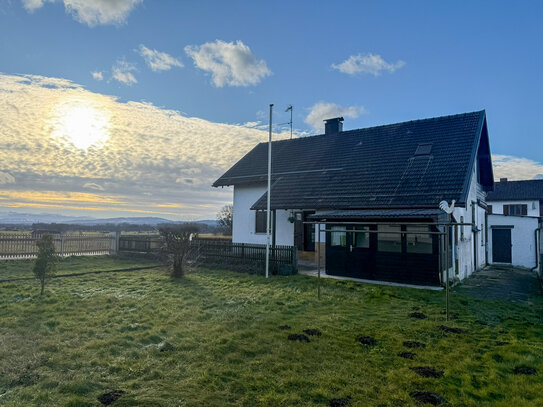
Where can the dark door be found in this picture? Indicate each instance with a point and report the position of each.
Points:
(501, 245)
(360, 256)
(309, 234)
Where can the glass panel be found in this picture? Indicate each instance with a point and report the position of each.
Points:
(389, 242)
(361, 239)
(419, 243)
(338, 238)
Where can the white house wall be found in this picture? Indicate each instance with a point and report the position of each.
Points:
(464, 252)
(533, 206)
(522, 238)
(243, 225)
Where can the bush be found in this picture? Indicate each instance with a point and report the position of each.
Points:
(176, 247)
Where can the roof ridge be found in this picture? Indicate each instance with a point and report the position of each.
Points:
(378, 127)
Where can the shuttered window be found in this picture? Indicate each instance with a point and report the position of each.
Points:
(515, 210)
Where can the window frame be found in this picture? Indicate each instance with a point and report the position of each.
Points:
(260, 222)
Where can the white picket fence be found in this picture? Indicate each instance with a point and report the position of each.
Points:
(23, 246)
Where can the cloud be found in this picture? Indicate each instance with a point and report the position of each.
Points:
(229, 63)
(368, 63)
(151, 156)
(322, 111)
(93, 185)
(6, 178)
(91, 12)
(122, 72)
(158, 61)
(516, 168)
(99, 76)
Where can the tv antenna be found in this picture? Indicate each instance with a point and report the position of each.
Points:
(290, 108)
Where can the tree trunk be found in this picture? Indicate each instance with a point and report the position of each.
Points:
(178, 271)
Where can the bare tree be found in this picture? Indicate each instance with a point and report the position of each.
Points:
(224, 218)
(45, 263)
(176, 247)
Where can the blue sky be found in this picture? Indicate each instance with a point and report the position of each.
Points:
(408, 60)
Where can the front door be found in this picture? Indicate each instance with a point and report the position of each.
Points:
(360, 257)
(501, 245)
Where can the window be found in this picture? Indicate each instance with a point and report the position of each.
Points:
(389, 239)
(338, 238)
(361, 239)
(515, 210)
(260, 222)
(419, 243)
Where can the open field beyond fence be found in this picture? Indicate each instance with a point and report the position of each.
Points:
(219, 338)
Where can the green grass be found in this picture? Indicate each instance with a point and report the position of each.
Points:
(13, 269)
(92, 334)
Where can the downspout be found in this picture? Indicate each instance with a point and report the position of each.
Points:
(536, 248)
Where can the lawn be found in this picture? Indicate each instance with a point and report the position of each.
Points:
(213, 339)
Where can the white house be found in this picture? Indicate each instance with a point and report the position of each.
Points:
(377, 192)
(515, 212)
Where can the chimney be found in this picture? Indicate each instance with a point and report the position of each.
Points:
(503, 179)
(333, 126)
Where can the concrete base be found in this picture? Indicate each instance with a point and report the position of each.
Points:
(314, 273)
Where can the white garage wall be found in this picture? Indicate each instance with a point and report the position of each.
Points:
(522, 238)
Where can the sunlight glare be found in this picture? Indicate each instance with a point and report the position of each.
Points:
(81, 123)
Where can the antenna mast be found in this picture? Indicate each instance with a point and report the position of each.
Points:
(290, 108)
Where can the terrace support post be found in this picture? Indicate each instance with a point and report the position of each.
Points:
(447, 231)
(62, 245)
(319, 261)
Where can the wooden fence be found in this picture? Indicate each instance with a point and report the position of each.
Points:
(140, 243)
(22, 246)
(283, 259)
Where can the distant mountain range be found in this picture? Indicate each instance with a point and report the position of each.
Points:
(16, 218)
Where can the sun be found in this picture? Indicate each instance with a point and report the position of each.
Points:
(80, 122)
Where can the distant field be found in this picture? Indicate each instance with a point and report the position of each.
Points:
(214, 339)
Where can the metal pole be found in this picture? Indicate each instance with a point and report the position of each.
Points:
(447, 231)
(319, 261)
(290, 108)
(268, 212)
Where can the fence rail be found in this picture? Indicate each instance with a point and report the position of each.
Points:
(22, 246)
(228, 253)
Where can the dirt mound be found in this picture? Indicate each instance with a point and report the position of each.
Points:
(525, 370)
(407, 355)
(166, 347)
(428, 397)
(367, 340)
(312, 332)
(448, 329)
(284, 327)
(427, 371)
(414, 344)
(111, 397)
(340, 402)
(417, 315)
(298, 337)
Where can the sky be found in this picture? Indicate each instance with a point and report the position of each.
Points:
(134, 107)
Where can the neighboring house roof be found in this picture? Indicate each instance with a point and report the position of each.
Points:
(411, 164)
(516, 191)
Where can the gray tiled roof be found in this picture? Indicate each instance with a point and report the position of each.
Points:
(368, 168)
(379, 213)
(516, 190)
